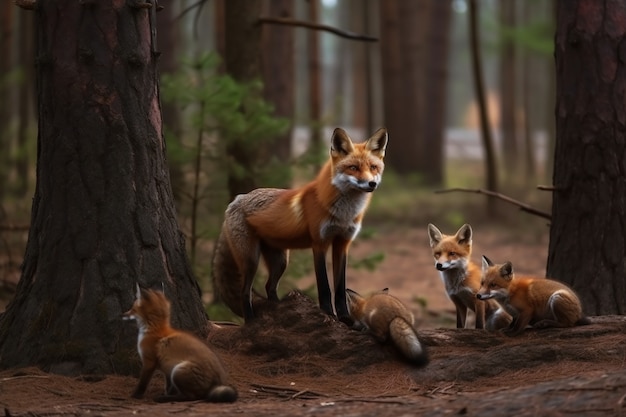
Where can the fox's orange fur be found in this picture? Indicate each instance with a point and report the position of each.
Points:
(386, 317)
(325, 213)
(461, 278)
(539, 302)
(192, 371)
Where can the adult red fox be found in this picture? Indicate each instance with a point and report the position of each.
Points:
(387, 318)
(461, 278)
(192, 371)
(326, 212)
(540, 302)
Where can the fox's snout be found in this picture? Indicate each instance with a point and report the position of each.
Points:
(484, 296)
(442, 266)
(370, 186)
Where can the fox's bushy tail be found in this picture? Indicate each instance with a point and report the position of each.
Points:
(227, 280)
(223, 394)
(404, 336)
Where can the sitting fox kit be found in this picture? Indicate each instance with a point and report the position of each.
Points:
(539, 302)
(461, 278)
(387, 318)
(192, 371)
(327, 212)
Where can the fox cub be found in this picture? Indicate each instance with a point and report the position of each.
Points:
(461, 278)
(327, 212)
(540, 302)
(387, 318)
(192, 371)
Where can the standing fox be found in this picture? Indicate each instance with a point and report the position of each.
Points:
(386, 317)
(540, 302)
(461, 278)
(192, 371)
(326, 212)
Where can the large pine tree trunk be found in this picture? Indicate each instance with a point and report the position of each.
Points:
(103, 216)
(588, 232)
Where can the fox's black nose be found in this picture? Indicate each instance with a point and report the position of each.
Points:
(439, 267)
(373, 184)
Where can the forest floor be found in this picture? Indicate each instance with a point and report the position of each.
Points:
(293, 360)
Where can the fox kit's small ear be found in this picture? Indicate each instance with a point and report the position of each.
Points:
(340, 143)
(464, 234)
(486, 262)
(385, 290)
(434, 234)
(377, 143)
(506, 270)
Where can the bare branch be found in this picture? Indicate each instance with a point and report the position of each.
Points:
(317, 26)
(546, 187)
(522, 206)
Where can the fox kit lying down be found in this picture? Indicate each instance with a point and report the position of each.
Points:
(192, 371)
(540, 302)
(461, 278)
(387, 318)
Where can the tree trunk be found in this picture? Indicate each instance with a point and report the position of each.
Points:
(6, 144)
(315, 82)
(279, 75)
(508, 93)
(402, 51)
(435, 92)
(242, 36)
(103, 216)
(477, 72)
(587, 236)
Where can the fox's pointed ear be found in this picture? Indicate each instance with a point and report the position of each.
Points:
(434, 234)
(385, 290)
(486, 262)
(377, 143)
(340, 143)
(464, 234)
(506, 270)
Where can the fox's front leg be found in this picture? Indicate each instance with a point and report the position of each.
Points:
(340, 252)
(321, 276)
(144, 378)
(518, 324)
(479, 310)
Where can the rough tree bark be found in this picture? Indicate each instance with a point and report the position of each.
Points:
(103, 216)
(588, 232)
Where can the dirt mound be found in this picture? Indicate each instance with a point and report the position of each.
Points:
(294, 359)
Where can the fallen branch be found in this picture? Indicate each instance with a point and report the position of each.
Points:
(288, 393)
(317, 26)
(522, 206)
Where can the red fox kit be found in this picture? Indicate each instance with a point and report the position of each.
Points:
(540, 302)
(387, 318)
(192, 371)
(461, 278)
(327, 212)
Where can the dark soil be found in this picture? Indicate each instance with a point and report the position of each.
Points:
(294, 360)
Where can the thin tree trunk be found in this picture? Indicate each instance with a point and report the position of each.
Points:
(103, 215)
(315, 83)
(477, 72)
(279, 75)
(508, 93)
(6, 144)
(242, 35)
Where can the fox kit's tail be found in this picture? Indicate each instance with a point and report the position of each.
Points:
(223, 394)
(405, 338)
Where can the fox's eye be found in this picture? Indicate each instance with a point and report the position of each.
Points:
(492, 285)
(374, 167)
(437, 255)
(452, 253)
(353, 168)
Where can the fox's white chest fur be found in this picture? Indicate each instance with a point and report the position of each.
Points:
(453, 280)
(343, 213)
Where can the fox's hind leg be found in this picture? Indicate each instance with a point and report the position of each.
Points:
(276, 262)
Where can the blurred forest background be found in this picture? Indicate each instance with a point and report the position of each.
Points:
(233, 125)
